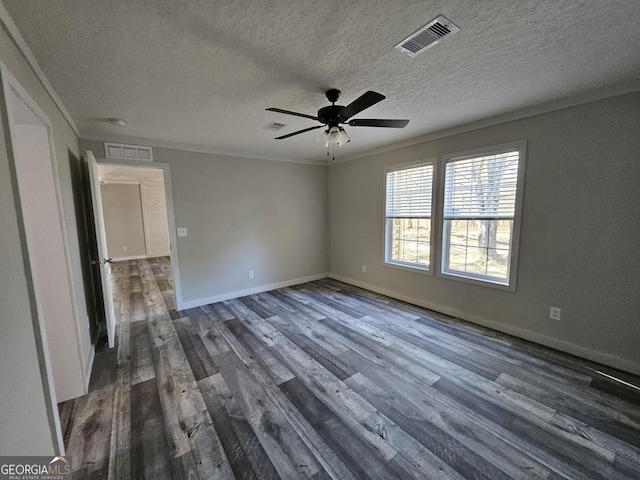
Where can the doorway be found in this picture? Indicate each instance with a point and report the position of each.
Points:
(137, 210)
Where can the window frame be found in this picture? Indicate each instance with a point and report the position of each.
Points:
(443, 244)
(387, 231)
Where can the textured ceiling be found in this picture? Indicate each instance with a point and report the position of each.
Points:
(202, 72)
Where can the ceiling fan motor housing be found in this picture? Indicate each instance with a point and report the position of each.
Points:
(329, 115)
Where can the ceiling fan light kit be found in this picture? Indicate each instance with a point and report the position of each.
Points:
(335, 135)
(332, 116)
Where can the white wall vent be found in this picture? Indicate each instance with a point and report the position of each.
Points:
(128, 152)
(274, 126)
(429, 35)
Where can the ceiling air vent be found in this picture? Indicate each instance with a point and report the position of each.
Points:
(427, 36)
(274, 126)
(129, 152)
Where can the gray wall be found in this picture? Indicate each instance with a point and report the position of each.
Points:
(123, 220)
(580, 230)
(244, 214)
(25, 414)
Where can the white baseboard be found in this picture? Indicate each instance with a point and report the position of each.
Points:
(250, 291)
(134, 257)
(571, 348)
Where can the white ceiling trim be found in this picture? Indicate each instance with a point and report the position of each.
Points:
(572, 101)
(187, 147)
(30, 58)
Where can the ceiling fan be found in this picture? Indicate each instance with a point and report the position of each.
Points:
(334, 115)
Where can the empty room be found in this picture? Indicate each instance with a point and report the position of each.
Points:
(320, 240)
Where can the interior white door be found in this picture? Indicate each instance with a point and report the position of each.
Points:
(103, 260)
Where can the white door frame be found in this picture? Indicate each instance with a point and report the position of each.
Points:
(11, 85)
(168, 190)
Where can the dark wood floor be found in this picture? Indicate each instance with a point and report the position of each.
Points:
(324, 380)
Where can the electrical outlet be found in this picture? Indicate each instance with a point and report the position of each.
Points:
(364, 269)
(124, 249)
(250, 273)
(182, 232)
(555, 313)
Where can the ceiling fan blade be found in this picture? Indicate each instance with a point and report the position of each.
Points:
(298, 132)
(366, 100)
(279, 110)
(376, 122)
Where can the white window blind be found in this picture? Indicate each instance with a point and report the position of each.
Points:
(409, 192)
(408, 216)
(482, 187)
(479, 216)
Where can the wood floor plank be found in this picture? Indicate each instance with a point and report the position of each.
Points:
(493, 458)
(348, 406)
(449, 413)
(371, 348)
(149, 449)
(571, 402)
(197, 355)
(288, 454)
(325, 358)
(120, 443)
(578, 457)
(207, 450)
(177, 438)
(218, 311)
(256, 307)
(91, 433)
(359, 458)
(376, 302)
(302, 324)
(183, 414)
(442, 367)
(492, 343)
(299, 303)
(142, 368)
(577, 422)
(277, 371)
(336, 305)
(314, 442)
(211, 339)
(459, 355)
(246, 456)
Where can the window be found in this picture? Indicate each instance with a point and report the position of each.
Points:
(480, 222)
(408, 216)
